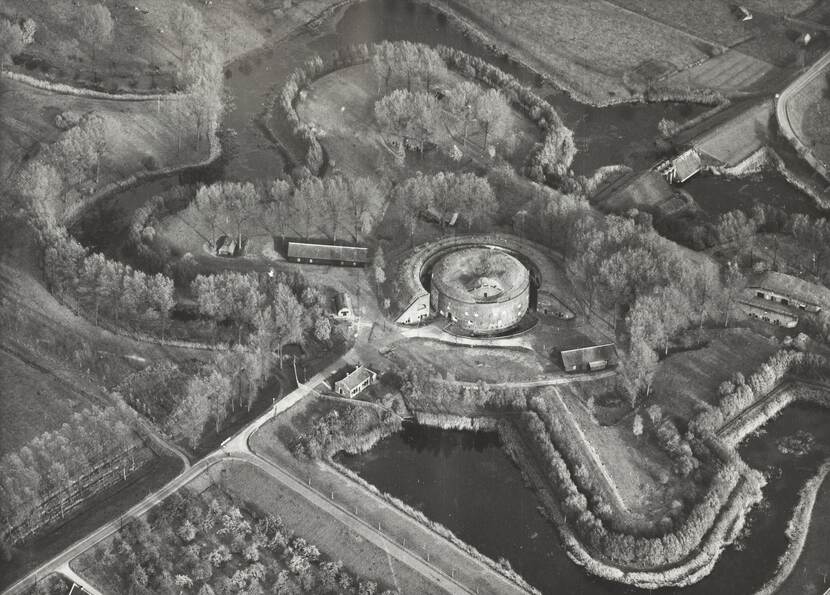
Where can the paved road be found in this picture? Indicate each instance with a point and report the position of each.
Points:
(237, 448)
(783, 115)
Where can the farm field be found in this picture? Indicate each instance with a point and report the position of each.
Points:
(255, 494)
(689, 380)
(765, 40)
(591, 44)
(471, 363)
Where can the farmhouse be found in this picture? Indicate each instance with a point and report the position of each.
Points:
(790, 291)
(769, 311)
(590, 358)
(355, 382)
(343, 305)
(327, 254)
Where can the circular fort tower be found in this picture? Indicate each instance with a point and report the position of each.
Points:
(483, 290)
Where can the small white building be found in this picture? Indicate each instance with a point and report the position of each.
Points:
(355, 382)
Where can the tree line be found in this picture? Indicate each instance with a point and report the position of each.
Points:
(738, 392)
(274, 312)
(54, 471)
(442, 194)
(105, 286)
(402, 64)
(305, 206)
(207, 545)
(675, 539)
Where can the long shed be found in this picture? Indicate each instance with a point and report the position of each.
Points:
(327, 254)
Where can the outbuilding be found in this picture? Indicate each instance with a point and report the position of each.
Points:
(355, 382)
(790, 291)
(590, 358)
(330, 254)
(343, 305)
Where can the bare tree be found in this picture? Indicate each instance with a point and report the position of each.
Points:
(11, 42)
(96, 27)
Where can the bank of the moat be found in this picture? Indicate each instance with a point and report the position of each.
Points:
(465, 481)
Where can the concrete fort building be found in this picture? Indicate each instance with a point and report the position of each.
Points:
(482, 290)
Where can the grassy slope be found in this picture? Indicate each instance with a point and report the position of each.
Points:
(687, 381)
(634, 464)
(146, 53)
(145, 129)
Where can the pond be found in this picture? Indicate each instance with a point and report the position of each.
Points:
(460, 478)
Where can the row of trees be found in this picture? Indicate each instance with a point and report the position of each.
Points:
(106, 286)
(212, 547)
(738, 393)
(443, 194)
(405, 64)
(67, 170)
(676, 539)
(282, 206)
(54, 471)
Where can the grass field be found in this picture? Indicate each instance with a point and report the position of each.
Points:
(144, 130)
(635, 465)
(146, 53)
(765, 40)
(470, 364)
(687, 381)
(737, 139)
(341, 106)
(591, 43)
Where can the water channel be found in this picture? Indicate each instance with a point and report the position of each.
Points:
(461, 478)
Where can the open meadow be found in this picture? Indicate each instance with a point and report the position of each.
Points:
(635, 465)
(146, 53)
(340, 107)
(687, 381)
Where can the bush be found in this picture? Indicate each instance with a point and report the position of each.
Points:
(67, 120)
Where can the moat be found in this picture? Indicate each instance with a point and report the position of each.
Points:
(465, 481)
